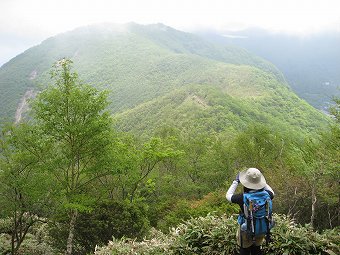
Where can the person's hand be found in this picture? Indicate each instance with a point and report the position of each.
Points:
(237, 177)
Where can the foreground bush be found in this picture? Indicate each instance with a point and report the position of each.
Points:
(182, 210)
(35, 243)
(107, 220)
(216, 235)
(291, 238)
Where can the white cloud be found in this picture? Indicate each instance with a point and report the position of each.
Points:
(43, 18)
(51, 16)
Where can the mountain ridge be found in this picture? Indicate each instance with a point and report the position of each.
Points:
(143, 63)
(310, 63)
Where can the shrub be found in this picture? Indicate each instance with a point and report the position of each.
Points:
(35, 243)
(185, 210)
(291, 238)
(217, 235)
(110, 219)
(206, 235)
(5, 225)
(5, 243)
(157, 243)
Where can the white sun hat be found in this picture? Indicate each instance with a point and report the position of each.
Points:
(252, 178)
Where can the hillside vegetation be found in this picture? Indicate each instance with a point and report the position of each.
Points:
(216, 235)
(142, 63)
(224, 109)
(310, 63)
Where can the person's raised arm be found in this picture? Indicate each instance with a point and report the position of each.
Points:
(232, 188)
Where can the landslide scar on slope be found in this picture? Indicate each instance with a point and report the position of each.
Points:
(23, 104)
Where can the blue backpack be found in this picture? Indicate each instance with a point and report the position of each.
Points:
(257, 217)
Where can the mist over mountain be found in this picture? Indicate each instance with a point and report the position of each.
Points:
(146, 66)
(310, 63)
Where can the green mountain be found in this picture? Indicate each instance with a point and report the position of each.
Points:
(211, 109)
(310, 63)
(157, 75)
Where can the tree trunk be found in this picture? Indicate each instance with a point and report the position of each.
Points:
(13, 252)
(70, 238)
(312, 217)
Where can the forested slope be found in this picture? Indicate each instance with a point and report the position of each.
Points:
(142, 63)
(239, 96)
(310, 63)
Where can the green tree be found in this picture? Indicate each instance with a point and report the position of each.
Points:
(73, 118)
(25, 191)
(330, 194)
(205, 163)
(136, 162)
(332, 143)
(312, 168)
(335, 109)
(111, 219)
(259, 146)
(319, 165)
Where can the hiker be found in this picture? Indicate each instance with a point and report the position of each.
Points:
(256, 194)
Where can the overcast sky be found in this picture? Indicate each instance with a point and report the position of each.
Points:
(24, 23)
